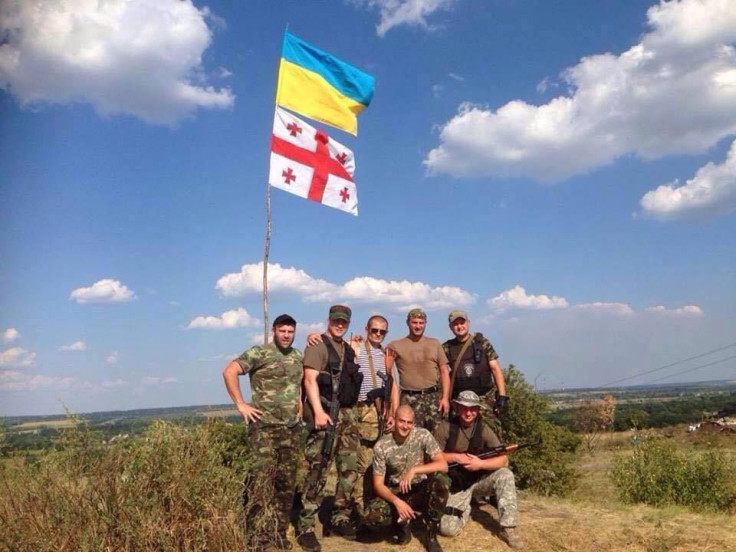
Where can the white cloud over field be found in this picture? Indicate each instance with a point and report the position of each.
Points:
(76, 346)
(236, 318)
(672, 93)
(103, 291)
(17, 356)
(413, 13)
(10, 335)
(135, 57)
(158, 380)
(363, 289)
(687, 310)
(517, 298)
(711, 192)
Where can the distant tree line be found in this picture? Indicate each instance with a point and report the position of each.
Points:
(654, 413)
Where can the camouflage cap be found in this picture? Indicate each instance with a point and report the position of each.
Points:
(416, 313)
(340, 312)
(467, 398)
(457, 313)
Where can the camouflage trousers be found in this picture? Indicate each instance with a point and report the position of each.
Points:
(345, 454)
(426, 414)
(428, 497)
(271, 480)
(499, 483)
(368, 429)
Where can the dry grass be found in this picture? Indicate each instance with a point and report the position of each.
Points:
(222, 413)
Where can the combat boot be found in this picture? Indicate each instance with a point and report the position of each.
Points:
(512, 537)
(402, 533)
(308, 541)
(345, 529)
(430, 539)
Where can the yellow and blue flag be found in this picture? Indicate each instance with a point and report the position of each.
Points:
(320, 86)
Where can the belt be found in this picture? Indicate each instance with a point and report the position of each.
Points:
(424, 391)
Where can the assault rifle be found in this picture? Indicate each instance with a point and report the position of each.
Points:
(331, 428)
(461, 478)
(376, 395)
(500, 450)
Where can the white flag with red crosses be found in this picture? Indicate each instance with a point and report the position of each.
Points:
(308, 163)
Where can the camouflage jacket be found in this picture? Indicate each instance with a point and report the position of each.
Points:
(275, 381)
(392, 459)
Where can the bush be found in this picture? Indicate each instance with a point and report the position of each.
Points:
(545, 469)
(659, 475)
(168, 489)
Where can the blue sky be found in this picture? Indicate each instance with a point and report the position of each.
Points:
(565, 171)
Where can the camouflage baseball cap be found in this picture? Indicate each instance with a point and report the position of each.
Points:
(340, 312)
(467, 398)
(457, 313)
(416, 313)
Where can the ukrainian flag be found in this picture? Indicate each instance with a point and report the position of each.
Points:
(318, 85)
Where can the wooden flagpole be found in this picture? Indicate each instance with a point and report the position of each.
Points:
(267, 242)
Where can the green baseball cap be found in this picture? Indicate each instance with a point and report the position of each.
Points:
(416, 313)
(457, 313)
(340, 312)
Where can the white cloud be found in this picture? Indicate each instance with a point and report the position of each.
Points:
(18, 381)
(711, 192)
(236, 318)
(112, 358)
(17, 356)
(365, 289)
(122, 56)
(156, 380)
(437, 90)
(103, 291)
(224, 72)
(455, 76)
(76, 346)
(114, 383)
(618, 309)
(687, 310)
(672, 93)
(226, 356)
(10, 335)
(517, 298)
(413, 13)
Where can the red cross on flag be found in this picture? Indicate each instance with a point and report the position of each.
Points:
(308, 163)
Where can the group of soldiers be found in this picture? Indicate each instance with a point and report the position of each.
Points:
(392, 442)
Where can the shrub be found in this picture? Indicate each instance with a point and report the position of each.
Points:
(545, 469)
(658, 474)
(165, 490)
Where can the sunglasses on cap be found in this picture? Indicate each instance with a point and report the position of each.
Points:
(378, 331)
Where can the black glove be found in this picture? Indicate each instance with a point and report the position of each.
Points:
(502, 401)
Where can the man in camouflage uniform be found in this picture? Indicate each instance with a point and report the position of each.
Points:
(474, 366)
(328, 361)
(473, 477)
(424, 378)
(405, 485)
(274, 419)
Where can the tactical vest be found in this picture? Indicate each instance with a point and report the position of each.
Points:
(473, 371)
(350, 380)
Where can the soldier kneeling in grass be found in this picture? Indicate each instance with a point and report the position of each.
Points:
(463, 441)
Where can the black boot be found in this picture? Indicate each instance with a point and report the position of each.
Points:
(402, 533)
(430, 539)
(308, 541)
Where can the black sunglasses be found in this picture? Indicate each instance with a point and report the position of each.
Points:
(378, 331)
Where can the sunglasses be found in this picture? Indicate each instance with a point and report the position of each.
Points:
(378, 331)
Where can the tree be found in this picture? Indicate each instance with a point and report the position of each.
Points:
(547, 468)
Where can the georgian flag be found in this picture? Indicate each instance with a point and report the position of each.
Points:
(308, 163)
